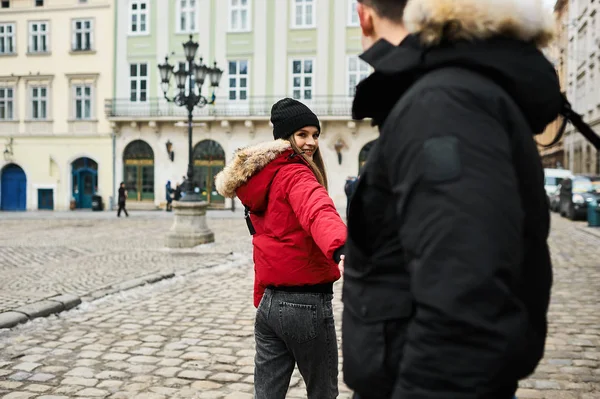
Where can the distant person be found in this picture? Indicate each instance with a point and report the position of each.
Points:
(177, 193)
(122, 200)
(169, 192)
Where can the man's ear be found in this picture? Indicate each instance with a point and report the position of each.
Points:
(365, 17)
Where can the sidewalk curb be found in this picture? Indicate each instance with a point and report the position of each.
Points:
(592, 231)
(43, 308)
(60, 303)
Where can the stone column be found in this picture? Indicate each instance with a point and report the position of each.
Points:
(189, 227)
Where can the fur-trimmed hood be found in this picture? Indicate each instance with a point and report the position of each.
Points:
(498, 39)
(247, 162)
(451, 20)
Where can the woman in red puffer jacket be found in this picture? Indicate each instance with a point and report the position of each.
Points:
(298, 240)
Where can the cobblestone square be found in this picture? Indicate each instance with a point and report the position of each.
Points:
(191, 336)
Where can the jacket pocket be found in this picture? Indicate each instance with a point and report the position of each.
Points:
(374, 324)
(298, 321)
(372, 352)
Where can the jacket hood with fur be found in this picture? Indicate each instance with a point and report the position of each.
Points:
(499, 39)
(452, 20)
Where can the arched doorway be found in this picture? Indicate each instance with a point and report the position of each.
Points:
(364, 155)
(84, 173)
(14, 188)
(138, 171)
(209, 159)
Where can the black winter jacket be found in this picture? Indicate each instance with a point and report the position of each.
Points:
(448, 273)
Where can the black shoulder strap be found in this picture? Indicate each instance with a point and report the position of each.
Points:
(577, 121)
(248, 221)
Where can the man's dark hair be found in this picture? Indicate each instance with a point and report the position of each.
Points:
(390, 9)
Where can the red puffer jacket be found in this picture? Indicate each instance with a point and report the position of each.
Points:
(297, 226)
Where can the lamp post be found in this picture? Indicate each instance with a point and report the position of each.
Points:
(189, 228)
(194, 75)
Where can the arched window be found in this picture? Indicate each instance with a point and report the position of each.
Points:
(138, 171)
(209, 159)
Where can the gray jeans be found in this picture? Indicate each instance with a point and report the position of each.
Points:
(295, 328)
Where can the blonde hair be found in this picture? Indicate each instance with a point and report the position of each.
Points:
(316, 164)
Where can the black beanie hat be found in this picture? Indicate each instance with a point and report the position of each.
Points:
(288, 116)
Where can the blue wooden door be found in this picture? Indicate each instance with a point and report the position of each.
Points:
(45, 198)
(86, 181)
(14, 189)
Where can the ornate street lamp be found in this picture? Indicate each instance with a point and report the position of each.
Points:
(194, 75)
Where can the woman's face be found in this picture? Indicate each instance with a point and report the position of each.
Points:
(307, 139)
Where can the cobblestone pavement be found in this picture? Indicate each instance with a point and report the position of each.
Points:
(192, 336)
(45, 256)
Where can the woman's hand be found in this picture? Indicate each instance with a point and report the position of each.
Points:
(341, 264)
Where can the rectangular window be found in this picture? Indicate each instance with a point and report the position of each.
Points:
(186, 16)
(138, 82)
(302, 79)
(83, 102)
(7, 38)
(38, 37)
(82, 34)
(357, 71)
(239, 15)
(39, 3)
(6, 104)
(303, 11)
(352, 14)
(238, 80)
(5, 4)
(138, 21)
(39, 102)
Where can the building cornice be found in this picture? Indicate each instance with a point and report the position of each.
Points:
(89, 75)
(40, 11)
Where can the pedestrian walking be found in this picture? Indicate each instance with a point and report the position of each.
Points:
(169, 196)
(448, 274)
(298, 240)
(122, 200)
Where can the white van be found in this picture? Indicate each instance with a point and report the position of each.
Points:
(553, 177)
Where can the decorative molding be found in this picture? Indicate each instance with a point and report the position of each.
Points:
(226, 126)
(248, 124)
(155, 127)
(352, 127)
(82, 76)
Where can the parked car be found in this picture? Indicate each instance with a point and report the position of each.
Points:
(575, 195)
(554, 199)
(553, 177)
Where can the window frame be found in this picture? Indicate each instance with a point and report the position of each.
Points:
(12, 36)
(237, 76)
(6, 99)
(303, 76)
(304, 25)
(41, 99)
(83, 98)
(189, 9)
(239, 8)
(350, 92)
(352, 14)
(138, 13)
(82, 31)
(138, 79)
(31, 35)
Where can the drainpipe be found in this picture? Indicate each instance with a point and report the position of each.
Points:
(114, 167)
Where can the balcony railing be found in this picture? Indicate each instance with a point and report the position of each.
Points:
(336, 106)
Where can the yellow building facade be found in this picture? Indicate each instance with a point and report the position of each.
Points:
(56, 70)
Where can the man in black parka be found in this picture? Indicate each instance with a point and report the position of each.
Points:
(448, 274)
